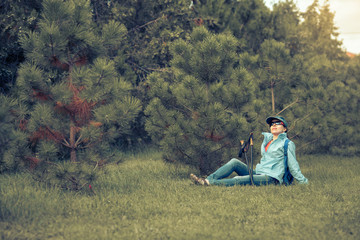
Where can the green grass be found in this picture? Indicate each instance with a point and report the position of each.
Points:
(145, 198)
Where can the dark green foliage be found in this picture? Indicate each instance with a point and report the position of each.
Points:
(153, 25)
(15, 18)
(286, 23)
(248, 20)
(342, 105)
(200, 109)
(92, 67)
(6, 130)
(77, 103)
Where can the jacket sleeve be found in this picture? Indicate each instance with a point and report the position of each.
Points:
(294, 165)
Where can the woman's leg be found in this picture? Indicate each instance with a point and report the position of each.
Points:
(244, 180)
(261, 179)
(224, 171)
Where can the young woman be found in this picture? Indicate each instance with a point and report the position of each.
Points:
(271, 168)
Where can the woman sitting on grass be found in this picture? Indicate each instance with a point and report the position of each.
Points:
(271, 168)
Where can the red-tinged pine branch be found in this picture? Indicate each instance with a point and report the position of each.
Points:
(32, 161)
(212, 136)
(81, 61)
(198, 21)
(58, 64)
(46, 133)
(40, 95)
(95, 124)
(23, 124)
(74, 89)
(56, 136)
(63, 109)
(80, 111)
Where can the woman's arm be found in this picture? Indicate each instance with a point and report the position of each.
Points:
(294, 165)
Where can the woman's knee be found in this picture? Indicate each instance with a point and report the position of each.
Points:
(235, 161)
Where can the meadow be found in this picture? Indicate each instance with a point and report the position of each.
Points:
(145, 198)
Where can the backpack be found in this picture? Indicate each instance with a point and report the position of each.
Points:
(288, 178)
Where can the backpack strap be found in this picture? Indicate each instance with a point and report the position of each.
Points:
(287, 175)
(286, 149)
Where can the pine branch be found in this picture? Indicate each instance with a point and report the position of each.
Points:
(97, 164)
(303, 146)
(66, 143)
(167, 124)
(148, 23)
(288, 106)
(92, 144)
(100, 78)
(181, 151)
(141, 68)
(52, 46)
(168, 70)
(52, 133)
(223, 146)
(310, 129)
(300, 119)
(78, 141)
(149, 69)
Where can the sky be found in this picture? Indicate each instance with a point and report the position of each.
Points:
(347, 18)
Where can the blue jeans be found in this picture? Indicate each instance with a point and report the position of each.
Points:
(219, 176)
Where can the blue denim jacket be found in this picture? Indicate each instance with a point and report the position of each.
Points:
(272, 161)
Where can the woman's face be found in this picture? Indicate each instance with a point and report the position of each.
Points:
(277, 129)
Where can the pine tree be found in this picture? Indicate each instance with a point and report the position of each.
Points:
(289, 86)
(201, 109)
(77, 103)
(340, 110)
(318, 33)
(318, 69)
(285, 22)
(247, 20)
(275, 59)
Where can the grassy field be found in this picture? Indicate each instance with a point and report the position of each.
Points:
(144, 198)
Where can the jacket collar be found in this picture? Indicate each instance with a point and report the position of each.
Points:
(268, 136)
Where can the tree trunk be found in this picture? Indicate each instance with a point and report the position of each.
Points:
(272, 97)
(72, 143)
(72, 125)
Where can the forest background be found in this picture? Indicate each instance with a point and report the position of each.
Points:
(85, 81)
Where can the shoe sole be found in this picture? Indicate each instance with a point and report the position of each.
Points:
(195, 179)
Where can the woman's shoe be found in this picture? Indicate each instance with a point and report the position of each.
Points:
(199, 181)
